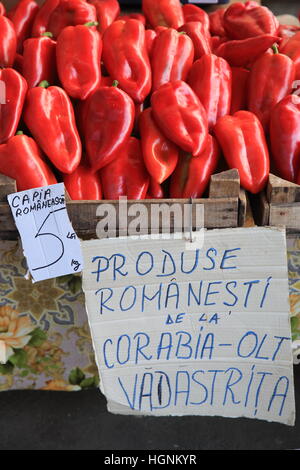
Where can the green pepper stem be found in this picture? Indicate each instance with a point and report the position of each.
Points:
(275, 48)
(20, 133)
(89, 24)
(115, 83)
(47, 34)
(44, 84)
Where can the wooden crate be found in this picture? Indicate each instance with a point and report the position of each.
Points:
(226, 206)
(278, 205)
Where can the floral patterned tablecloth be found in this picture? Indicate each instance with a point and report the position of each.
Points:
(44, 329)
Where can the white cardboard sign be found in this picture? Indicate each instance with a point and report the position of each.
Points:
(50, 244)
(203, 332)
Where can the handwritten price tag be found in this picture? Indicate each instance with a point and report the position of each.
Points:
(49, 242)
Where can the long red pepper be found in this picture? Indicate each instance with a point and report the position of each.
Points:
(22, 17)
(192, 174)
(78, 55)
(245, 20)
(155, 191)
(210, 78)
(150, 36)
(18, 63)
(180, 115)
(22, 160)
(240, 78)
(126, 59)
(200, 36)
(134, 16)
(55, 15)
(285, 137)
(49, 116)
(271, 79)
(244, 146)
(291, 48)
(107, 12)
(83, 184)
(216, 22)
(41, 20)
(159, 153)
(126, 175)
(2, 9)
(39, 60)
(109, 120)
(8, 42)
(172, 57)
(163, 13)
(13, 91)
(240, 53)
(193, 13)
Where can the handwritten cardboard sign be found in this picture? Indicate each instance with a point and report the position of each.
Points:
(49, 242)
(203, 332)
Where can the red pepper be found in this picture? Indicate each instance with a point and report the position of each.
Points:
(240, 53)
(193, 13)
(192, 174)
(150, 36)
(109, 120)
(138, 109)
(22, 160)
(216, 22)
(180, 115)
(163, 13)
(107, 12)
(292, 49)
(78, 55)
(155, 190)
(8, 42)
(244, 146)
(49, 116)
(133, 16)
(159, 153)
(210, 78)
(55, 15)
(172, 57)
(126, 175)
(22, 17)
(126, 58)
(246, 20)
(41, 20)
(14, 89)
(200, 36)
(286, 31)
(18, 63)
(39, 60)
(216, 41)
(2, 9)
(271, 79)
(285, 137)
(160, 29)
(240, 78)
(83, 184)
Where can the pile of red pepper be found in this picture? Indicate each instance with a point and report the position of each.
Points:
(146, 105)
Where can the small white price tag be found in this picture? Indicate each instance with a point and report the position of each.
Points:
(49, 242)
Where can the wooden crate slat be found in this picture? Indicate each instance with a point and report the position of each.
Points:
(219, 212)
(285, 214)
(225, 184)
(280, 191)
(7, 186)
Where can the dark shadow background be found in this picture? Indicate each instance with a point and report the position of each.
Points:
(35, 420)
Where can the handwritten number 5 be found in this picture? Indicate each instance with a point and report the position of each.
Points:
(39, 234)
